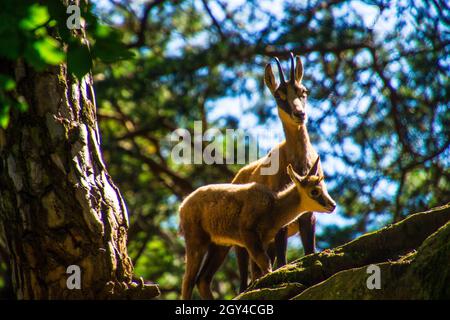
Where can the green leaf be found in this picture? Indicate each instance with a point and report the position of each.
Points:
(37, 16)
(21, 104)
(102, 31)
(33, 57)
(42, 52)
(49, 50)
(7, 83)
(108, 50)
(108, 45)
(4, 114)
(79, 61)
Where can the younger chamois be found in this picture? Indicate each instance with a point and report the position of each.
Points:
(246, 215)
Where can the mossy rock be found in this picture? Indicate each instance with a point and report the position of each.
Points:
(413, 255)
(422, 275)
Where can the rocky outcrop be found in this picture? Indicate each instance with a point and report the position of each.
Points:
(413, 256)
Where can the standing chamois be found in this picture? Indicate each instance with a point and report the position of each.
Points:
(246, 215)
(296, 149)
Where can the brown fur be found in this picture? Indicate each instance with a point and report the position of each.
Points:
(296, 149)
(247, 215)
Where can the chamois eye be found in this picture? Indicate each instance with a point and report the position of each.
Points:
(314, 192)
(302, 93)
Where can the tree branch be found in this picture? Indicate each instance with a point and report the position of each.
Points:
(144, 23)
(213, 19)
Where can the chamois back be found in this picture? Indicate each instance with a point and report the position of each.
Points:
(221, 210)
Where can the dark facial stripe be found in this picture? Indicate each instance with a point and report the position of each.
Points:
(283, 104)
(322, 201)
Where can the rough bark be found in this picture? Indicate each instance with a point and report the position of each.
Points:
(345, 266)
(58, 204)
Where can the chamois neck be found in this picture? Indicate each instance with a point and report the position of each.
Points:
(287, 206)
(297, 137)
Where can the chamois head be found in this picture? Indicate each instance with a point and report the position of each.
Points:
(290, 95)
(312, 189)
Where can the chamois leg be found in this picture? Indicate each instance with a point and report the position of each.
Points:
(281, 246)
(194, 257)
(255, 271)
(271, 252)
(214, 259)
(242, 259)
(307, 228)
(257, 252)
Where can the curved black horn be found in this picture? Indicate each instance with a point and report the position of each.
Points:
(280, 71)
(292, 68)
(315, 168)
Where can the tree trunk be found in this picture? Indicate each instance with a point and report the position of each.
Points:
(58, 204)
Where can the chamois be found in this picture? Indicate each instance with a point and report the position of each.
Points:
(246, 215)
(290, 97)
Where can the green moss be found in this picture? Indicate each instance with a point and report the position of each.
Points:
(432, 265)
(352, 284)
(424, 274)
(279, 292)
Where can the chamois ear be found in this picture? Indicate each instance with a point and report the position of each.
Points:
(315, 168)
(290, 172)
(298, 69)
(295, 177)
(269, 78)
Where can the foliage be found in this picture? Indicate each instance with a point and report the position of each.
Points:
(377, 71)
(37, 34)
(378, 78)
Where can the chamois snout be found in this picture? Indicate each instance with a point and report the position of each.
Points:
(323, 199)
(299, 115)
(323, 202)
(331, 206)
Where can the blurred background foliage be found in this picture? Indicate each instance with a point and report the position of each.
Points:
(378, 75)
(37, 34)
